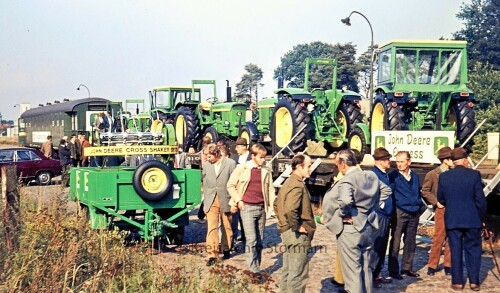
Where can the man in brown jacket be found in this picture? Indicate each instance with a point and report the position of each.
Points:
(429, 193)
(296, 224)
(251, 189)
(47, 147)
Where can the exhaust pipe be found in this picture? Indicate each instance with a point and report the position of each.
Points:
(228, 92)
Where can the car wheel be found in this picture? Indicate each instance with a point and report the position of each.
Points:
(44, 178)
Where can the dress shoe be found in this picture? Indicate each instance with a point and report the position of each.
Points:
(447, 271)
(410, 273)
(457, 287)
(431, 271)
(227, 254)
(396, 276)
(337, 284)
(475, 287)
(211, 261)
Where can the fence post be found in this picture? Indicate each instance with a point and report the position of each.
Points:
(10, 200)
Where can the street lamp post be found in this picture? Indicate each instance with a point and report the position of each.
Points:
(78, 88)
(347, 21)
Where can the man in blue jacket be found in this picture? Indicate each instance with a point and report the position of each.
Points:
(461, 192)
(408, 203)
(381, 237)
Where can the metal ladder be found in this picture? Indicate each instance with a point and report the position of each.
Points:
(491, 184)
(288, 171)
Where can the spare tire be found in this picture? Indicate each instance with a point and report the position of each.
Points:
(152, 180)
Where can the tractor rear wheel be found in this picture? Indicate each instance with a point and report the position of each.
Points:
(187, 127)
(463, 119)
(386, 117)
(287, 119)
(346, 117)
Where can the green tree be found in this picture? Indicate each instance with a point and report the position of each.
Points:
(248, 88)
(292, 65)
(364, 71)
(482, 31)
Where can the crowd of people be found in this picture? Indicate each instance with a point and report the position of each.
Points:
(367, 211)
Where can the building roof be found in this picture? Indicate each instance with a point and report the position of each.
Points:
(68, 106)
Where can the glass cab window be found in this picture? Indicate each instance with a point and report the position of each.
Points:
(161, 99)
(384, 73)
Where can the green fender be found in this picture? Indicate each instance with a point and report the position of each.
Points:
(366, 131)
(169, 134)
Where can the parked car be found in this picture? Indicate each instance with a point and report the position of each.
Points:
(31, 164)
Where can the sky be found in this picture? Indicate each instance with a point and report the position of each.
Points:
(120, 49)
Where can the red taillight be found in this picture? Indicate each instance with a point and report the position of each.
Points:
(464, 94)
(470, 104)
(399, 95)
(394, 104)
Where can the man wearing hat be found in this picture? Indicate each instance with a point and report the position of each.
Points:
(429, 193)
(381, 236)
(461, 192)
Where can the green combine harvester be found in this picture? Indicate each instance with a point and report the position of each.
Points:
(422, 85)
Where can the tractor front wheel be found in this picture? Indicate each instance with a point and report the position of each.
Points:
(357, 141)
(212, 133)
(288, 118)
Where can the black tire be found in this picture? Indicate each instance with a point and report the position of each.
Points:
(187, 127)
(246, 134)
(357, 140)
(465, 118)
(44, 178)
(354, 114)
(283, 132)
(212, 133)
(176, 235)
(351, 117)
(386, 117)
(152, 180)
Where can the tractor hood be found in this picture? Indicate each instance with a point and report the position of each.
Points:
(222, 107)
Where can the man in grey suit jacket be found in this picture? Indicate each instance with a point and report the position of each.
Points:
(216, 202)
(349, 211)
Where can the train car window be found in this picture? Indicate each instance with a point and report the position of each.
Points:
(53, 123)
(62, 122)
(57, 123)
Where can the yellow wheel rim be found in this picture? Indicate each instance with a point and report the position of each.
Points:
(378, 117)
(341, 122)
(356, 143)
(283, 127)
(154, 180)
(244, 134)
(180, 129)
(157, 126)
(209, 134)
(452, 120)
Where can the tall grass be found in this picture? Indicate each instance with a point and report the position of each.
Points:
(58, 252)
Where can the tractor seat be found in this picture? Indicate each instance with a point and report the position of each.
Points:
(205, 106)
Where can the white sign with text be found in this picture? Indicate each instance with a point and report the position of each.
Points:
(422, 145)
(40, 136)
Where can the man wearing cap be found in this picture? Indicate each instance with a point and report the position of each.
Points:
(429, 193)
(461, 192)
(242, 153)
(381, 236)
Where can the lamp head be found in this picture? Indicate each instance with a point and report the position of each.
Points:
(346, 21)
(78, 88)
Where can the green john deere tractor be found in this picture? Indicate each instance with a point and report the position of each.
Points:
(330, 116)
(422, 85)
(218, 120)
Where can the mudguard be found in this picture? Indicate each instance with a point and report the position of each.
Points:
(252, 129)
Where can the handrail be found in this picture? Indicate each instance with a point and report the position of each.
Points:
(269, 164)
(472, 134)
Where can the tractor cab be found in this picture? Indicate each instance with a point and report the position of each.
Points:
(166, 100)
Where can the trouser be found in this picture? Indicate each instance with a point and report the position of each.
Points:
(214, 217)
(295, 271)
(65, 175)
(234, 225)
(407, 224)
(254, 222)
(437, 242)
(468, 240)
(337, 272)
(355, 253)
(381, 239)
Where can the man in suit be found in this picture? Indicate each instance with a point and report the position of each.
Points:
(460, 191)
(349, 211)
(65, 160)
(381, 237)
(242, 156)
(429, 193)
(216, 199)
(181, 160)
(296, 224)
(251, 189)
(408, 204)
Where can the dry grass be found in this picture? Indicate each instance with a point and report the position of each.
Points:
(8, 141)
(58, 252)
